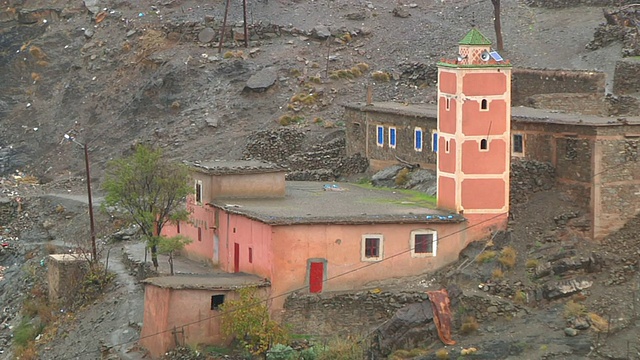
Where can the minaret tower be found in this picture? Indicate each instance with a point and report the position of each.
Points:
(474, 133)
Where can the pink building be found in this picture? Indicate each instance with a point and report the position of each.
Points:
(474, 134)
(314, 237)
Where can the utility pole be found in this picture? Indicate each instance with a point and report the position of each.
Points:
(94, 250)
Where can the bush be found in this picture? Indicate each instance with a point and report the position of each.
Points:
(308, 354)
(469, 325)
(508, 257)
(342, 349)
(281, 352)
(531, 264)
(442, 354)
(573, 310)
(362, 66)
(520, 297)
(402, 177)
(381, 76)
(247, 319)
(497, 273)
(486, 256)
(25, 333)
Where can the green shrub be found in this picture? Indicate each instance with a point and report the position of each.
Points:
(25, 333)
(402, 177)
(469, 325)
(308, 354)
(486, 256)
(281, 352)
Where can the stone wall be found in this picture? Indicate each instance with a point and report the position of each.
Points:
(587, 104)
(618, 178)
(356, 313)
(7, 210)
(554, 4)
(528, 82)
(325, 161)
(625, 78)
(529, 177)
(360, 120)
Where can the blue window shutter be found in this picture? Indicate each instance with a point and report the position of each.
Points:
(434, 145)
(418, 139)
(380, 135)
(392, 137)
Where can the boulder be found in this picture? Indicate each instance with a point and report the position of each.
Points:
(321, 32)
(410, 327)
(93, 6)
(386, 177)
(262, 80)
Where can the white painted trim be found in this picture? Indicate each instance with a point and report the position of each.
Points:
(380, 256)
(395, 137)
(412, 243)
(379, 142)
(415, 130)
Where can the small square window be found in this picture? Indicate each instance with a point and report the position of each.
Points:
(216, 301)
(423, 243)
(380, 135)
(417, 139)
(392, 137)
(198, 192)
(518, 144)
(371, 247)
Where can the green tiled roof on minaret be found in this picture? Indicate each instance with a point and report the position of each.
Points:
(474, 37)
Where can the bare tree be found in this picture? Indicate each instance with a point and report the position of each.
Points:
(497, 24)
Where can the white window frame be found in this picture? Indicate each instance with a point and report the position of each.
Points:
(412, 243)
(395, 137)
(480, 145)
(380, 238)
(415, 139)
(198, 183)
(487, 101)
(379, 141)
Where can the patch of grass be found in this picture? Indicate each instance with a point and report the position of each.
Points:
(35, 76)
(381, 76)
(486, 256)
(315, 79)
(531, 264)
(469, 325)
(520, 297)
(508, 257)
(346, 37)
(295, 72)
(27, 353)
(402, 177)
(37, 53)
(239, 54)
(442, 354)
(364, 67)
(25, 333)
(598, 322)
(407, 354)
(286, 119)
(573, 309)
(356, 71)
(413, 197)
(343, 348)
(497, 273)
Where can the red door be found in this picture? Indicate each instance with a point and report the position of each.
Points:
(236, 257)
(316, 277)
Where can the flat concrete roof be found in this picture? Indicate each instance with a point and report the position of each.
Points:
(228, 167)
(220, 281)
(518, 114)
(338, 203)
